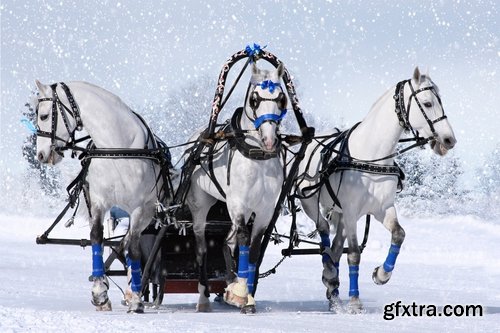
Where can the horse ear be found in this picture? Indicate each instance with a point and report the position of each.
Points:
(416, 75)
(41, 87)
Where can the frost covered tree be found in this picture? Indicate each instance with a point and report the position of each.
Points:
(48, 177)
(432, 183)
(489, 175)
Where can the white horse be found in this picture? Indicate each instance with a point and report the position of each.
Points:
(248, 175)
(124, 167)
(361, 178)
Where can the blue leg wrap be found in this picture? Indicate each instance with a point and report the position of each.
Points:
(390, 261)
(353, 281)
(325, 242)
(251, 277)
(135, 266)
(97, 262)
(243, 262)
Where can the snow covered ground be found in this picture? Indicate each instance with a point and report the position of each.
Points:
(451, 260)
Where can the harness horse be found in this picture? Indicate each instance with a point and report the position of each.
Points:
(246, 173)
(123, 165)
(346, 175)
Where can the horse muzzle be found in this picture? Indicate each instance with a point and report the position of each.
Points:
(49, 158)
(441, 147)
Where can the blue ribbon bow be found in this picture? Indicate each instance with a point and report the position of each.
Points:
(255, 50)
(269, 84)
(29, 125)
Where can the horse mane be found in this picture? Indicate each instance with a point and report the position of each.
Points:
(379, 100)
(423, 79)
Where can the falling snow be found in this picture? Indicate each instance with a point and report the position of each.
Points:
(163, 58)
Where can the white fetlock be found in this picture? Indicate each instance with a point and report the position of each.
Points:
(127, 297)
(355, 306)
(203, 307)
(240, 290)
(203, 301)
(100, 294)
(236, 294)
(136, 305)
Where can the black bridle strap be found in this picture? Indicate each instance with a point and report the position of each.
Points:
(75, 110)
(63, 110)
(403, 113)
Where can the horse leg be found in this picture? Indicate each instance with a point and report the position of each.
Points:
(199, 226)
(353, 259)
(101, 285)
(228, 250)
(134, 258)
(335, 303)
(330, 257)
(139, 219)
(382, 273)
(255, 247)
(237, 292)
(311, 209)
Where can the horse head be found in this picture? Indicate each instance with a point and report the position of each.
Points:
(430, 122)
(54, 128)
(265, 105)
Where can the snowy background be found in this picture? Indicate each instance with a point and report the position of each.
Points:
(163, 59)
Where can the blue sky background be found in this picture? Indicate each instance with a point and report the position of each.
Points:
(344, 54)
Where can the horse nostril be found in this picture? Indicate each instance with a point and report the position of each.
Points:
(449, 142)
(40, 156)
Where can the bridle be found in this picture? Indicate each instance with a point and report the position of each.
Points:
(74, 112)
(403, 113)
(254, 99)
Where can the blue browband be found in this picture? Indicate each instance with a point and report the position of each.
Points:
(269, 117)
(268, 84)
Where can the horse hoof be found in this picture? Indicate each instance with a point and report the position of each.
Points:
(136, 308)
(248, 309)
(355, 306)
(380, 276)
(203, 307)
(335, 304)
(106, 306)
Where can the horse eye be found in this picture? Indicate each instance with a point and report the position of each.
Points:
(427, 104)
(44, 117)
(254, 100)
